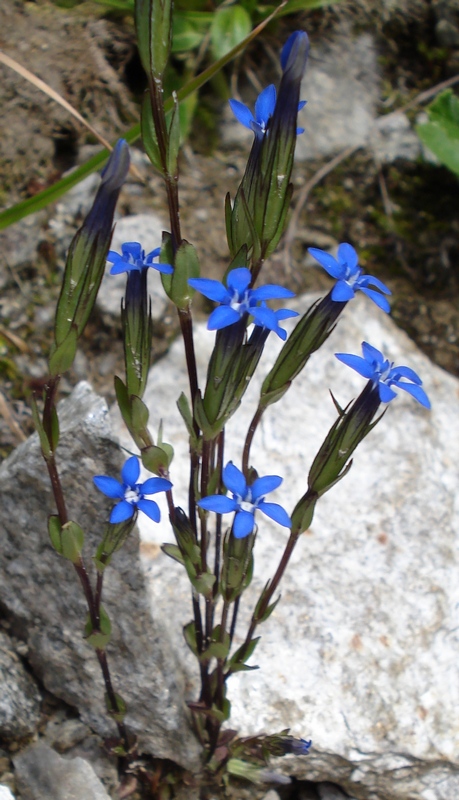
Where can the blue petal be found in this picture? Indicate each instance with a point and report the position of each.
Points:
(299, 131)
(221, 317)
(301, 104)
(122, 266)
(241, 112)
(415, 391)
(356, 362)
(287, 48)
(113, 257)
(218, 503)
(262, 486)
(328, 262)
(270, 291)
(234, 480)
(342, 292)
(370, 280)
(150, 508)
(386, 393)
(265, 103)
(277, 513)
(132, 250)
(406, 372)
(371, 354)
(285, 313)
(214, 290)
(243, 525)
(166, 269)
(122, 512)
(109, 486)
(154, 485)
(239, 280)
(131, 471)
(347, 255)
(377, 298)
(154, 254)
(265, 317)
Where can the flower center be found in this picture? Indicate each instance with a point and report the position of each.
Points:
(132, 495)
(246, 505)
(352, 274)
(240, 303)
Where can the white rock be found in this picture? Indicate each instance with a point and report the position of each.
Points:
(5, 793)
(393, 137)
(362, 653)
(341, 86)
(146, 229)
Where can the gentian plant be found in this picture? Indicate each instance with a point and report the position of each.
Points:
(216, 551)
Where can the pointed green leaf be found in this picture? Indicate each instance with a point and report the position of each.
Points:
(54, 530)
(173, 551)
(72, 539)
(63, 356)
(99, 638)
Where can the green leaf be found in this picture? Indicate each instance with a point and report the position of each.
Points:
(149, 138)
(155, 459)
(189, 29)
(229, 27)
(189, 632)
(441, 134)
(153, 25)
(174, 138)
(204, 583)
(236, 663)
(173, 551)
(63, 355)
(120, 714)
(186, 265)
(54, 530)
(139, 414)
(44, 442)
(99, 638)
(72, 540)
(54, 429)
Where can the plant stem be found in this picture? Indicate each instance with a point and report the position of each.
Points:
(268, 594)
(92, 600)
(249, 438)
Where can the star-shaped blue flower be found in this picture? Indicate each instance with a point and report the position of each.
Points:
(130, 493)
(133, 257)
(246, 500)
(264, 109)
(384, 375)
(350, 277)
(237, 299)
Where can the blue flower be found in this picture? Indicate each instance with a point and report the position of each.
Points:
(264, 109)
(130, 493)
(382, 372)
(299, 747)
(133, 257)
(237, 299)
(349, 276)
(246, 500)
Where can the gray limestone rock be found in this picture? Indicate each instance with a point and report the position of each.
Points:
(361, 655)
(341, 86)
(40, 591)
(42, 773)
(19, 696)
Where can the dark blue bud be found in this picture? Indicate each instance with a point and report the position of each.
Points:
(100, 218)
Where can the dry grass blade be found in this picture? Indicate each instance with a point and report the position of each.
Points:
(7, 415)
(46, 89)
